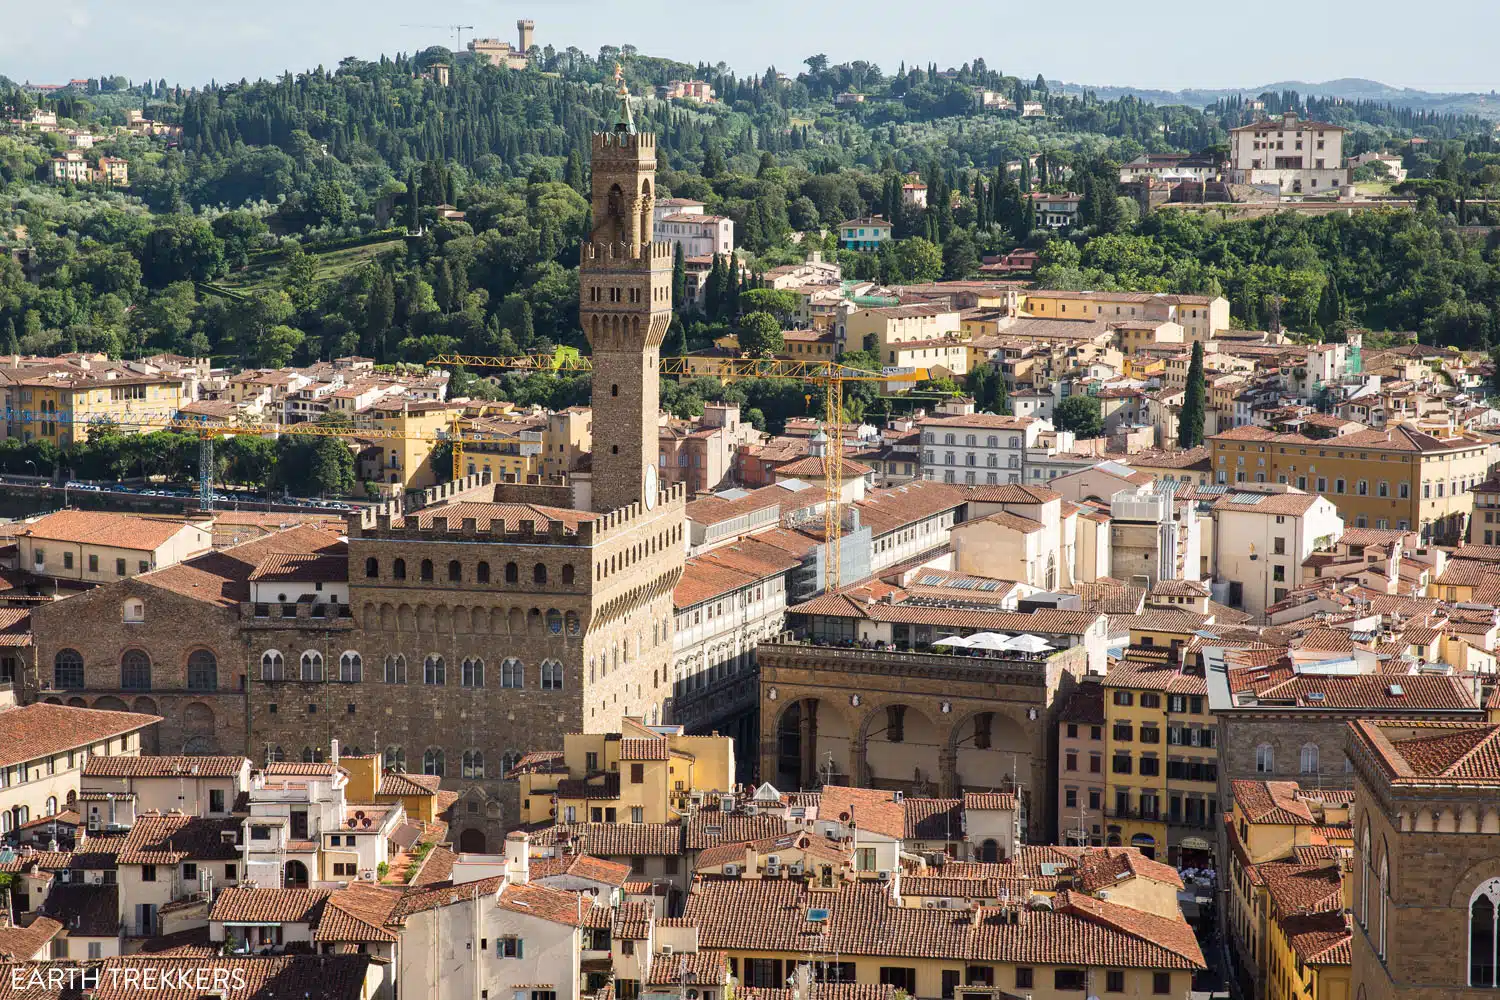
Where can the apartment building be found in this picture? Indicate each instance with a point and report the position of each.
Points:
(1200, 316)
(1397, 477)
(92, 547)
(1261, 537)
(977, 449)
(1081, 781)
(66, 405)
(1291, 155)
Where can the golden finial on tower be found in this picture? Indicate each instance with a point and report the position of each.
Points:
(620, 79)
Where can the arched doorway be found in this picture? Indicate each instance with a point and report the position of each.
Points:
(76, 702)
(471, 841)
(991, 753)
(295, 876)
(1146, 843)
(109, 703)
(989, 851)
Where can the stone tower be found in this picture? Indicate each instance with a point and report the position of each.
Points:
(625, 305)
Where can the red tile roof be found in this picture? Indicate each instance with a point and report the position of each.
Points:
(121, 531)
(227, 766)
(871, 809)
(39, 729)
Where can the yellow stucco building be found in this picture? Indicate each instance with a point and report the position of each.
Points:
(1397, 477)
(62, 407)
(642, 774)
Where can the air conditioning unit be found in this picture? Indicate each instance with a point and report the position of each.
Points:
(751, 810)
(367, 874)
(773, 860)
(773, 871)
(1103, 894)
(732, 870)
(666, 949)
(929, 905)
(797, 868)
(885, 874)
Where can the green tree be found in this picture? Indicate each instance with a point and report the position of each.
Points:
(919, 260)
(299, 276)
(760, 335)
(1194, 402)
(679, 277)
(1080, 414)
(778, 302)
(279, 346)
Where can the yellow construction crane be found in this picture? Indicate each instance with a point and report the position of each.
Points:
(208, 432)
(829, 374)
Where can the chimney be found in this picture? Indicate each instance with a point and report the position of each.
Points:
(333, 751)
(517, 857)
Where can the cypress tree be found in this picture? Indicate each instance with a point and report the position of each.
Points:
(1190, 418)
(679, 277)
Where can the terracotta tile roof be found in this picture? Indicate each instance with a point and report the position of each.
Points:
(1290, 503)
(1099, 870)
(618, 839)
(580, 866)
(1322, 938)
(645, 749)
(227, 766)
(706, 967)
(896, 507)
(812, 468)
(1015, 522)
(980, 801)
(863, 920)
(19, 944)
(301, 769)
(1111, 597)
(120, 531)
(399, 783)
(39, 729)
(933, 819)
(710, 827)
(271, 905)
(1302, 888)
(1012, 493)
(446, 894)
(1456, 753)
(539, 901)
(812, 847)
(302, 568)
(1154, 677)
(1330, 640)
(1271, 802)
(989, 887)
(223, 577)
(819, 991)
(872, 809)
(1373, 692)
(168, 840)
(85, 910)
(358, 913)
(1159, 620)
(1045, 622)
(436, 867)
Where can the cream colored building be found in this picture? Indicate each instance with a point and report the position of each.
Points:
(1200, 316)
(100, 547)
(1292, 155)
(48, 745)
(197, 785)
(911, 336)
(1261, 539)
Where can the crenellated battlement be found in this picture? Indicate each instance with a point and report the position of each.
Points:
(612, 524)
(627, 253)
(493, 532)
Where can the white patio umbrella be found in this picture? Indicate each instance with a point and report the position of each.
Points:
(1029, 643)
(952, 640)
(988, 640)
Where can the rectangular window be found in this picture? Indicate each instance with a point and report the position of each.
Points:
(1114, 981)
(1068, 980)
(1161, 983)
(637, 773)
(509, 947)
(1121, 764)
(216, 800)
(119, 567)
(93, 564)
(148, 873)
(1023, 977)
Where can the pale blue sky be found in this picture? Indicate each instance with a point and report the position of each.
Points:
(1437, 46)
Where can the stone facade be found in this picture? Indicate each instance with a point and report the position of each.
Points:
(923, 723)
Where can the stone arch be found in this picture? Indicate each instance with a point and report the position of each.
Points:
(110, 703)
(387, 617)
(902, 748)
(406, 617)
(426, 620)
(76, 702)
(517, 623)
(472, 841)
(984, 747)
(198, 718)
(54, 700)
(443, 620)
(809, 733)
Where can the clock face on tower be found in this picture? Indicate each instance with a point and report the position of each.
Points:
(650, 497)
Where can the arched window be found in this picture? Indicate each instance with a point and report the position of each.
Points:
(23, 815)
(395, 669)
(552, 675)
(473, 672)
(351, 668)
(312, 755)
(512, 673)
(512, 573)
(1364, 882)
(67, 670)
(473, 764)
(539, 573)
(1484, 906)
(275, 755)
(1309, 762)
(992, 441)
(202, 671)
(432, 761)
(135, 670)
(482, 572)
(1385, 899)
(394, 757)
(989, 851)
(1265, 759)
(398, 569)
(455, 571)
(52, 805)
(509, 762)
(372, 568)
(312, 665)
(6, 824)
(272, 666)
(434, 671)
(427, 569)
(567, 573)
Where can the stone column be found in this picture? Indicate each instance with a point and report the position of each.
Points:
(808, 743)
(948, 772)
(861, 775)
